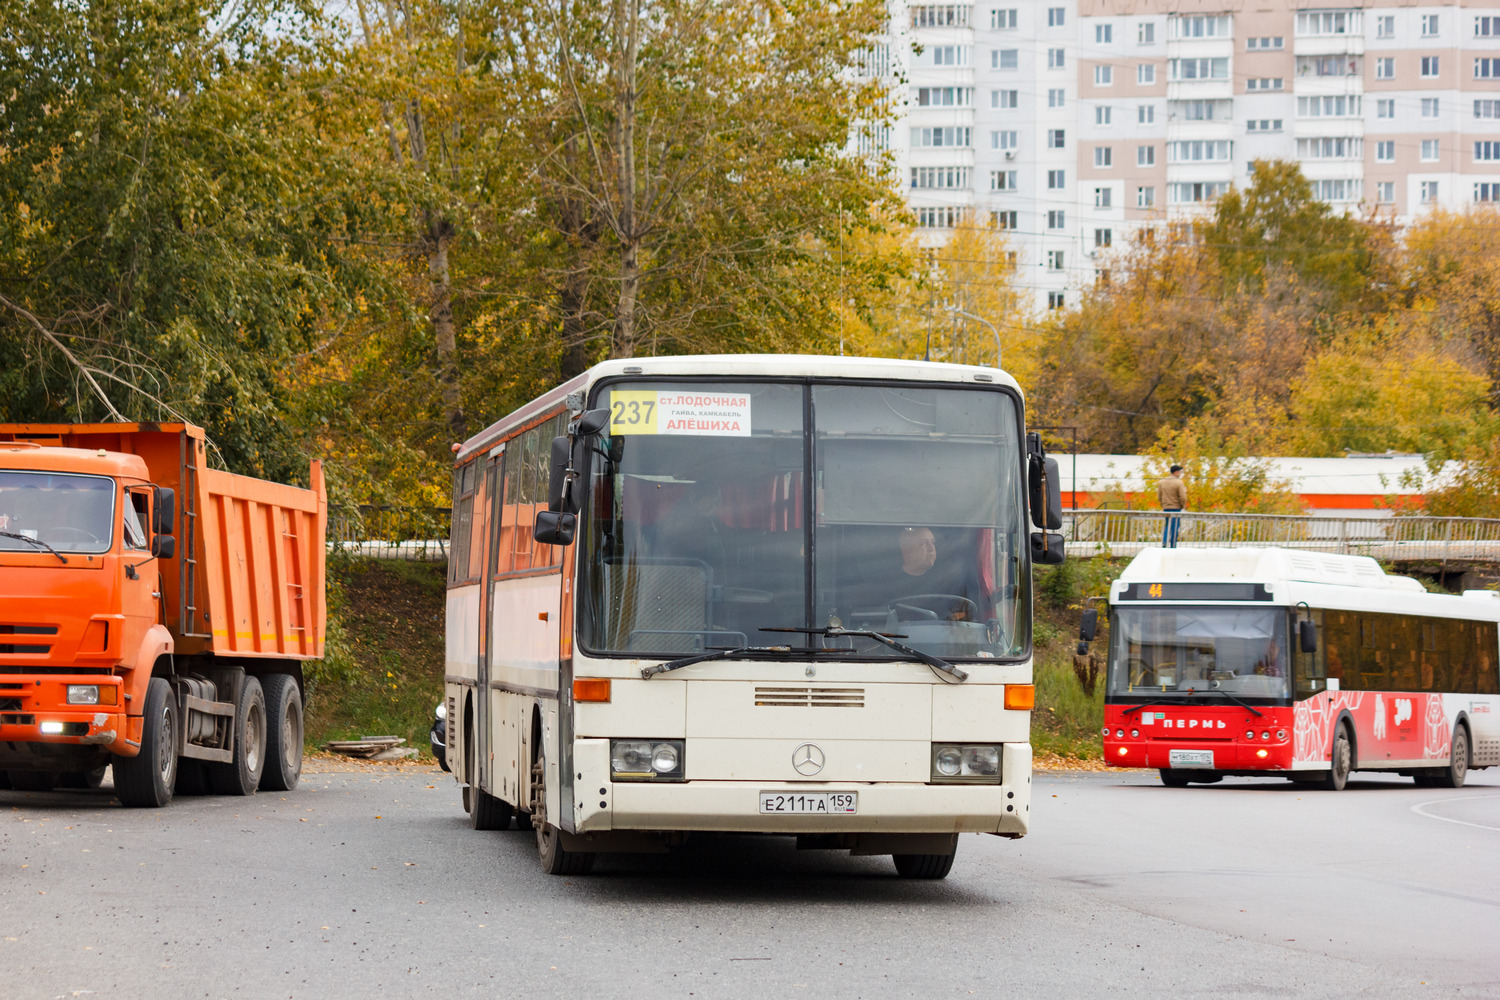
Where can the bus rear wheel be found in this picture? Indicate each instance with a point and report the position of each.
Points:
(1341, 763)
(929, 866)
(556, 859)
(1453, 775)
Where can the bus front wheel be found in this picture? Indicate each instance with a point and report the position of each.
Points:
(1341, 763)
(556, 859)
(1453, 775)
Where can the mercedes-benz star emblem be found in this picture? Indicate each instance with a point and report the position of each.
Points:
(807, 759)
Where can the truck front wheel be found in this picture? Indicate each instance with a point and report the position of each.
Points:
(283, 733)
(146, 780)
(241, 776)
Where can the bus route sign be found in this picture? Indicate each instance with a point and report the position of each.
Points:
(687, 412)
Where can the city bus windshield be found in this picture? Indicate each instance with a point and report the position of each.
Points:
(701, 529)
(65, 512)
(1177, 651)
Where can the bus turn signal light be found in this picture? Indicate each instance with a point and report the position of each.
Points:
(591, 689)
(1020, 697)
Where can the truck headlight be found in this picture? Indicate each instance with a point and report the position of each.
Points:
(646, 760)
(83, 694)
(961, 762)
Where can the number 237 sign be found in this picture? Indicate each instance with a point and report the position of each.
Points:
(699, 413)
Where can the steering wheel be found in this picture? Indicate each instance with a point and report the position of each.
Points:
(913, 604)
(1139, 670)
(67, 533)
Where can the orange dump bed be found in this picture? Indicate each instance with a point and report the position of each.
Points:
(247, 579)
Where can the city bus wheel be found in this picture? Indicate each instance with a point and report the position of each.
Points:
(1342, 762)
(523, 821)
(1453, 775)
(1173, 779)
(147, 779)
(556, 859)
(930, 866)
(487, 812)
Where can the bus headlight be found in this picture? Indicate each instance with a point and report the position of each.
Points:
(956, 762)
(646, 760)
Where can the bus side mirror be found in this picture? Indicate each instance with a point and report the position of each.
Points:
(554, 527)
(1088, 625)
(1043, 487)
(164, 517)
(591, 423)
(1046, 548)
(1307, 636)
(557, 476)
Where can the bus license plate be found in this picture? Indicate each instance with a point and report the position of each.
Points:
(819, 803)
(1191, 758)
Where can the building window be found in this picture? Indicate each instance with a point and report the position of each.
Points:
(1007, 100)
(1103, 237)
(1104, 115)
(1200, 151)
(1198, 69)
(1486, 27)
(940, 216)
(1487, 152)
(1007, 139)
(1385, 107)
(1055, 260)
(1198, 26)
(1385, 26)
(1429, 67)
(1145, 114)
(1263, 125)
(1057, 219)
(1056, 138)
(1328, 22)
(1103, 157)
(1005, 58)
(1337, 190)
(1385, 68)
(1326, 66)
(945, 97)
(1057, 97)
(1264, 83)
(1057, 180)
(941, 16)
(946, 55)
(1486, 192)
(1055, 300)
(1385, 151)
(1329, 148)
(1429, 192)
(1145, 156)
(1195, 192)
(1145, 74)
(945, 135)
(1429, 107)
(1104, 76)
(1055, 16)
(1145, 33)
(1385, 192)
(1487, 109)
(1331, 106)
(1487, 69)
(940, 178)
(1104, 34)
(1200, 111)
(1056, 58)
(1003, 20)
(1266, 43)
(1429, 150)
(1429, 25)
(1104, 197)
(1003, 220)
(1145, 197)
(1002, 180)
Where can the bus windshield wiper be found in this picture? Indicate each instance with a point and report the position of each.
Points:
(718, 654)
(885, 639)
(1225, 694)
(1191, 691)
(35, 541)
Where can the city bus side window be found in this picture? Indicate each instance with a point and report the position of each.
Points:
(1312, 671)
(1341, 642)
(463, 517)
(1404, 639)
(1487, 658)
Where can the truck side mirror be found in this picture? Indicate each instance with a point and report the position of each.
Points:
(554, 527)
(1307, 636)
(1046, 548)
(163, 546)
(1088, 625)
(164, 517)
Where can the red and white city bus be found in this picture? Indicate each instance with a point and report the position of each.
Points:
(750, 594)
(1252, 661)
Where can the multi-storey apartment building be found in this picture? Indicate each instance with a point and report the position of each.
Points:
(1069, 123)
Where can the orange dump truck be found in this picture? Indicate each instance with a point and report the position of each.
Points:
(155, 614)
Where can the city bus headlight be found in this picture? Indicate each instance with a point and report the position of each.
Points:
(646, 760)
(952, 762)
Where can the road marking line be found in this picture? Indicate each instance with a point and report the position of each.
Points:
(1421, 810)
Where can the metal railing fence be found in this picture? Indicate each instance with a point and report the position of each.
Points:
(1395, 539)
(384, 531)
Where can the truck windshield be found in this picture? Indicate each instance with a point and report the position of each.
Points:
(69, 513)
(702, 530)
(1177, 651)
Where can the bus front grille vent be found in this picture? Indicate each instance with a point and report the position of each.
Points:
(809, 697)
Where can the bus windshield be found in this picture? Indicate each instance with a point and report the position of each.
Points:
(1177, 651)
(702, 530)
(69, 513)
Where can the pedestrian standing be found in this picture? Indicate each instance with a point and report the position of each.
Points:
(1171, 493)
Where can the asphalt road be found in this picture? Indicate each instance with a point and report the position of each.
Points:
(369, 883)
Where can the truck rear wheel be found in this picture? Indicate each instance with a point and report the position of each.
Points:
(283, 733)
(241, 776)
(146, 780)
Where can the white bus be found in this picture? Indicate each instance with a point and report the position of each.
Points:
(1271, 661)
(754, 594)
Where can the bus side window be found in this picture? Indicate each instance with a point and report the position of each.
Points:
(1312, 671)
(463, 516)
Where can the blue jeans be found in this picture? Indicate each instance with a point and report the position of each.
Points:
(1169, 530)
